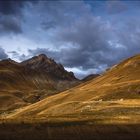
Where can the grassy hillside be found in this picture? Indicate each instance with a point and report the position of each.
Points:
(113, 97)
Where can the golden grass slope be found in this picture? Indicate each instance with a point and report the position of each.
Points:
(113, 96)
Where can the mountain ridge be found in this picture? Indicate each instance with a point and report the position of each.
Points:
(113, 96)
(32, 80)
(42, 62)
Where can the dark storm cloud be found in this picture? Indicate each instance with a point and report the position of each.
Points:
(3, 54)
(85, 34)
(91, 43)
(85, 38)
(14, 7)
(116, 6)
(90, 37)
(11, 15)
(10, 24)
(61, 13)
(72, 34)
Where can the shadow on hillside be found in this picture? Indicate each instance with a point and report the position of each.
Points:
(44, 131)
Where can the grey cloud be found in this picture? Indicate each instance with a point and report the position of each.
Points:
(14, 54)
(88, 38)
(88, 35)
(12, 15)
(116, 6)
(78, 38)
(129, 37)
(3, 54)
(87, 45)
(14, 7)
(11, 7)
(22, 57)
(10, 24)
(60, 13)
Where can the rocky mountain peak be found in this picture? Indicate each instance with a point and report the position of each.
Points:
(42, 56)
(47, 65)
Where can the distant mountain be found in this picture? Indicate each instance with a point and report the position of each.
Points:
(90, 77)
(31, 80)
(113, 96)
(47, 65)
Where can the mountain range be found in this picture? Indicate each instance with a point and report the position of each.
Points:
(31, 80)
(111, 97)
(40, 100)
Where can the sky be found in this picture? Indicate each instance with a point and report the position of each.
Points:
(86, 36)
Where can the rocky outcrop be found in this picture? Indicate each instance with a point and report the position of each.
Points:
(47, 65)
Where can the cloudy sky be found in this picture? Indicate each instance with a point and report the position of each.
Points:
(85, 36)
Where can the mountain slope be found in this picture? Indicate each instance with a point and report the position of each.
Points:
(31, 81)
(115, 94)
(90, 77)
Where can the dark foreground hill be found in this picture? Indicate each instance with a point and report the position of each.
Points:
(68, 131)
